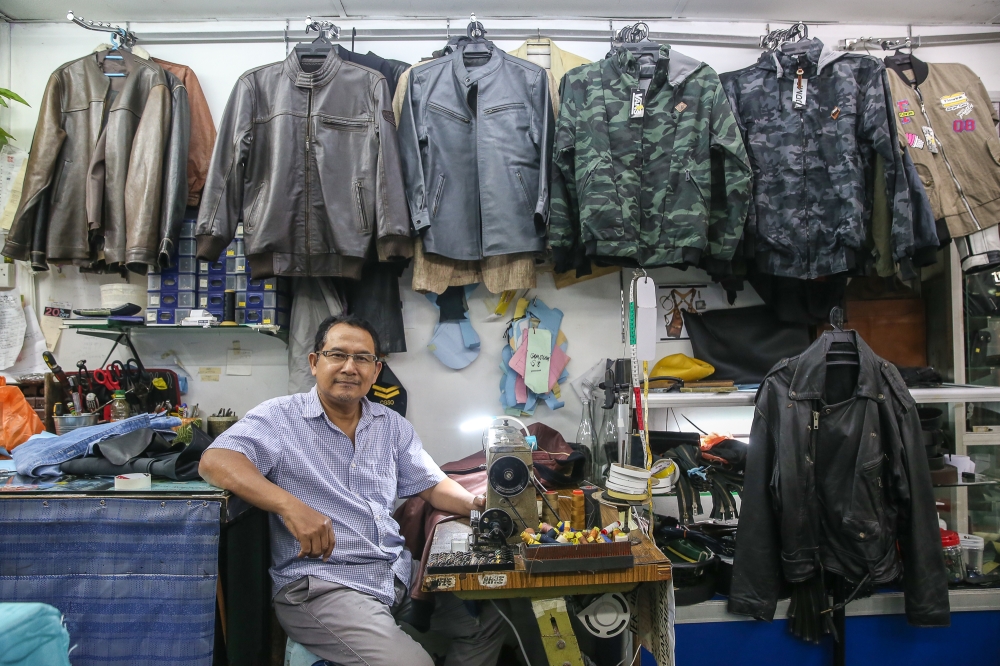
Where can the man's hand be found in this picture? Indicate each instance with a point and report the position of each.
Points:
(451, 497)
(312, 530)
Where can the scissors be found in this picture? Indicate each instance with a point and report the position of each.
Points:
(109, 378)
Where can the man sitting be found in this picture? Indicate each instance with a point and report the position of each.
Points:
(328, 465)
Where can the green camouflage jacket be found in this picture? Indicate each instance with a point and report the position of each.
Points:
(814, 167)
(669, 188)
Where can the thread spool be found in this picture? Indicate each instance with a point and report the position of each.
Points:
(229, 308)
(593, 506)
(579, 512)
(565, 506)
(548, 516)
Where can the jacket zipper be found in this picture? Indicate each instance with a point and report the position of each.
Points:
(504, 107)
(360, 200)
(524, 189)
(449, 112)
(944, 156)
(346, 125)
(308, 179)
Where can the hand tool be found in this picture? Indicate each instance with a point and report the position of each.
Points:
(50, 362)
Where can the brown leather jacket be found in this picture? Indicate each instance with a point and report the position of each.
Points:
(310, 162)
(65, 169)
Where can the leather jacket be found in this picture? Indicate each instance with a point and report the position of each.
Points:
(76, 157)
(843, 488)
(476, 146)
(310, 163)
(175, 174)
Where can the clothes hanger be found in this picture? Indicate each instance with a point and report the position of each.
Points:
(477, 48)
(843, 349)
(320, 47)
(121, 39)
(898, 59)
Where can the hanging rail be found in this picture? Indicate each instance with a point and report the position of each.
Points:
(125, 37)
(862, 43)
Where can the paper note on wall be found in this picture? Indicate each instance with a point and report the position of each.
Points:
(13, 164)
(29, 360)
(12, 327)
(239, 362)
(209, 374)
(536, 369)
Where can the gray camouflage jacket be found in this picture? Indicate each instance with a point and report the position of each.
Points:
(813, 169)
(669, 188)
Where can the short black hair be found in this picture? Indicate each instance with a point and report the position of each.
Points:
(348, 320)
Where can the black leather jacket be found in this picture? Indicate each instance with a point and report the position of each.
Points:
(837, 486)
(310, 162)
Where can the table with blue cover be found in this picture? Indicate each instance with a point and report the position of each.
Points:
(136, 573)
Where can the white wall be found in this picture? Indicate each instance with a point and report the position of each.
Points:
(439, 398)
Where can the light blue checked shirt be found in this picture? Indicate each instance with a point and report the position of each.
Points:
(296, 446)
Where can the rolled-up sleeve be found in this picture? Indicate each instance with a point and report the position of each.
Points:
(255, 437)
(417, 471)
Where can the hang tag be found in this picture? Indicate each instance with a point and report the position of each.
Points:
(638, 108)
(799, 93)
(929, 137)
(536, 367)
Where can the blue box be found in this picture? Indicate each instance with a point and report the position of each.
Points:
(212, 267)
(187, 228)
(211, 283)
(234, 249)
(274, 317)
(208, 301)
(252, 315)
(268, 284)
(236, 265)
(175, 283)
(162, 316)
(187, 247)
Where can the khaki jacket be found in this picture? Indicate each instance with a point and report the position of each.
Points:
(952, 101)
(562, 62)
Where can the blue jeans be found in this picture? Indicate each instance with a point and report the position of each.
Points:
(41, 456)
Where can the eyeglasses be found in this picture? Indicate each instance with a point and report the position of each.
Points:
(340, 358)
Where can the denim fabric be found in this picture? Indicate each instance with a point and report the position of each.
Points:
(49, 452)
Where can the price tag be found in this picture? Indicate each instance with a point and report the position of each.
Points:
(493, 580)
(638, 107)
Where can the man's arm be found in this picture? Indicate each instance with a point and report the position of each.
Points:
(448, 495)
(234, 472)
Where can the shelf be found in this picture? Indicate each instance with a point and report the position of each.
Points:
(949, 393)
(114, 329)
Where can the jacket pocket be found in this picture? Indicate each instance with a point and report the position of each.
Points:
(437, 195)
(862, 531)
(993, 146)
(448, 112)
(345, 124)
(694, 181)
(524, 188)
(504, 107)
(255, 209)
(386, 529)
(359, 201)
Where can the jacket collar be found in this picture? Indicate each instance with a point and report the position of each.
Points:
(809, 380)
(674, 68)
(919, 70)
(561, 61)
(469, 77)
(317, 79)
(816, 54)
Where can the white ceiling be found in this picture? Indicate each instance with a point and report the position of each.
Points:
(848, 11)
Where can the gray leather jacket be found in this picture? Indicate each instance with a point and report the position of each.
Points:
(175, 183)
(476, 146)
(310, 163)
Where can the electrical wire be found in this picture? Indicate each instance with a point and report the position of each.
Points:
(517, 635)
(632, 660)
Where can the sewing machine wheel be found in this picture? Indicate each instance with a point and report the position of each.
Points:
(508, 476)
(496, 518)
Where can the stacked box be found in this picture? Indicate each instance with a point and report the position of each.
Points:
(263, 301)
(172, 291)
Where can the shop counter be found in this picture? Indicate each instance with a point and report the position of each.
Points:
(140, 577)
(877, 633)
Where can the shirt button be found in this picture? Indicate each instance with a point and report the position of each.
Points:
(861, 534)
(468, 80)
(353, 465)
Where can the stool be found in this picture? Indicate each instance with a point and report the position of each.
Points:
(296, 655)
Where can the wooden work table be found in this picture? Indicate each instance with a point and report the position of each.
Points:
(650, 566)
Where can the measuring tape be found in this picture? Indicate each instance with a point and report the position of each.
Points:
(640, 393)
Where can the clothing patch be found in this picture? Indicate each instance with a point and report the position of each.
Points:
(389, 117)
(835, 113)
(957, 102)
(638, 109)
(967, 125)
(799, 92)
(904, 113)
(914, 141)
(929, 138)
(680, 107)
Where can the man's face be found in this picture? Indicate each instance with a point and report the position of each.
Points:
(349, 381)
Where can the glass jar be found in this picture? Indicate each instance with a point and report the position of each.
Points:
(119, 406)
(953, 563)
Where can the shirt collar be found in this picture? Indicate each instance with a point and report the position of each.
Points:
(467, 77)
(313, 408)
(809, 380)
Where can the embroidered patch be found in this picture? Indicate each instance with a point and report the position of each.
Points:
(914, 141)
(835, 113)
(967, 125)
(680, 107)
(957, 102)
(904, 113)
(389, 117)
